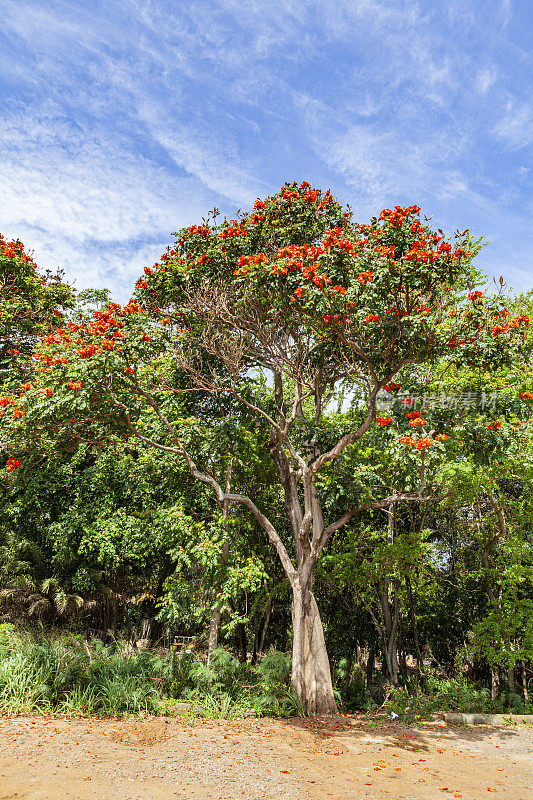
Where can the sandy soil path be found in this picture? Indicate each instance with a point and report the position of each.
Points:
(343, 758)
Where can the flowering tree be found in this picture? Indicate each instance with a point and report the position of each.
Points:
(30, 302)
(279, 309)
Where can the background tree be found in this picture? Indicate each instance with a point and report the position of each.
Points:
(31, 303)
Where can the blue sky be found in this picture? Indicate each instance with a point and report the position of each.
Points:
(123, 120)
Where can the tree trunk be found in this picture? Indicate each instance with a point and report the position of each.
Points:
(494, 682)
(214, 625)
(242, 643)
(264, 628)
(414, 626)
(524, 682)
(311, 674)
(510, 679)
(370, 665)
(216, 613)
(404, 670)
(113, 618)
(390, 618)
(260, 633)
(389, 633)
(128, 623)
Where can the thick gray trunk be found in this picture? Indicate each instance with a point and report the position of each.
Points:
(311, 674)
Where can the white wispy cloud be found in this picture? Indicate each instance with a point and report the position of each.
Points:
(515, 127)
(81, 200)
(122, 122)
(485, 79)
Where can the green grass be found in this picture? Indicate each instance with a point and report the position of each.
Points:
(64, 674)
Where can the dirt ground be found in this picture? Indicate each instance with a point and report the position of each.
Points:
(343, 758)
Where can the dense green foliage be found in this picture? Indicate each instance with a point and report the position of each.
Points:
(63, 674)
(109, 542)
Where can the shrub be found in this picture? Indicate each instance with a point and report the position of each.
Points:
(69, 676)
(450, 694)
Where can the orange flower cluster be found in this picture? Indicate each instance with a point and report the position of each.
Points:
(288, 194)
(420, 252)
(13, 463)
(385, 251)
(334, 318)
(390, 387)
(84, 352)
(14, 249)
(198, 230)
(327, 199)
(334, 238)
(370, 318)
(105, 328)
(399, 215)
(305, 193)
(244, 261)
(414, 419)
(383, 421)
(74, 386)
(298, 252)
(234, 228)
(398, 312)
(523, 319)
(420, 444)
(364, 277)
(299, 258)
(475, 297)
(522, 396)
(516, 322)
(454, 343)
(492, 426)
